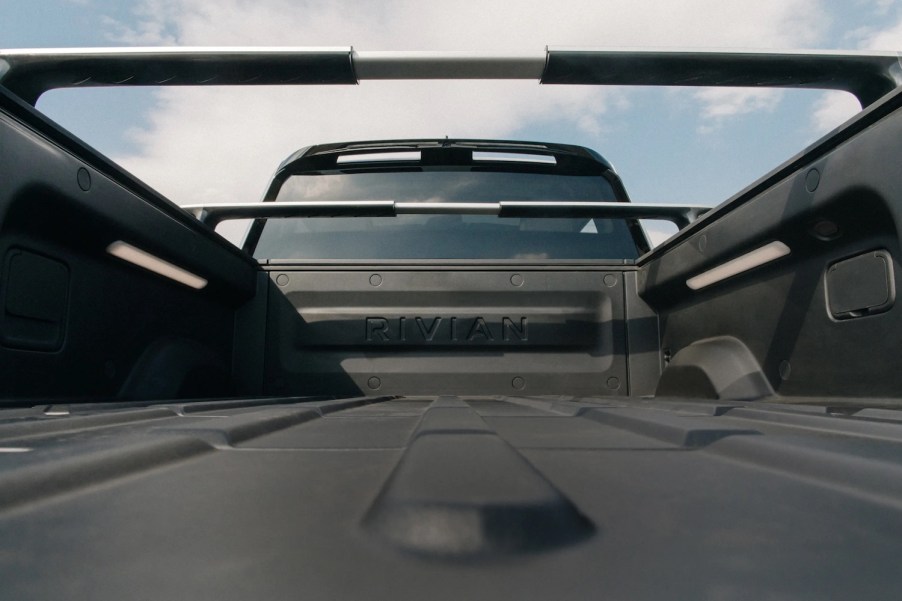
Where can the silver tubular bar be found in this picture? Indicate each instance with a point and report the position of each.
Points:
(681, 215)
(448, 65)
(212, 214)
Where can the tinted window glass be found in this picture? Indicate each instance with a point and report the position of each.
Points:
(445, 236)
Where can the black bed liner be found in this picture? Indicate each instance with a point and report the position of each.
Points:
(660, 499)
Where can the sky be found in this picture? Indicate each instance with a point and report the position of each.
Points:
(214, 144)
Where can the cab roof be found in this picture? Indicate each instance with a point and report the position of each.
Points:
(502, 155)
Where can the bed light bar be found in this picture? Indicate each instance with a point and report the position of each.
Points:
(750, 260)
(144, 259)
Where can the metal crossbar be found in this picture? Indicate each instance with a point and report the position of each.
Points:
(212, 214)
(30, 73)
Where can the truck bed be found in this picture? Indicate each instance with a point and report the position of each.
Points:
(617, 429)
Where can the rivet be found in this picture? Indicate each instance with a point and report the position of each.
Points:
(812, 179)
(825, 230)
(517, 279)
(375, 280)
(374, 383)
(613, 383)
(282, 279)
(785, 370)
(84, 179)
(610, 280)
(518, 383)
(702, 243)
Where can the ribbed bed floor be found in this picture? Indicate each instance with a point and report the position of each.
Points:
(451, 498)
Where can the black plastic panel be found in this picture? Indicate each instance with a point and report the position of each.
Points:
(862, 285)
(49, 176)
(396, 331)
(29, 79)
(76, 322)
(866, 78)
(780, 310)
(488, 498)
(35, 301)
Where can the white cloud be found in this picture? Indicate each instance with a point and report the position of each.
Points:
(216, 144)
(206, 146)
(153, 26)
(718, 104)
(836, 107)
(832, 109)
(885, 39)
(488, 24)
(658, 231)
(881, 7)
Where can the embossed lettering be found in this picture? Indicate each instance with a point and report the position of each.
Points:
(480, 328)
(428, 332)
(377, 328)
(509, 329)
(433, 329)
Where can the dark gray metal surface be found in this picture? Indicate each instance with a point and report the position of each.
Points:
(866, 75)
(30, 73)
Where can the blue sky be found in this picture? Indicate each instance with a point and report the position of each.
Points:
(678, 145)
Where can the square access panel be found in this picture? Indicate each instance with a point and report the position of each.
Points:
(860, 286)
(35, 299)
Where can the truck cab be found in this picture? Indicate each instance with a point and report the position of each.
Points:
(446, 171)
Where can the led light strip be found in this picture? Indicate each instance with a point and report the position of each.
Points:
(750, 260)
(144, 259)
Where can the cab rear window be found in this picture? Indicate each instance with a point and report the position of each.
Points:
(445, 236)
